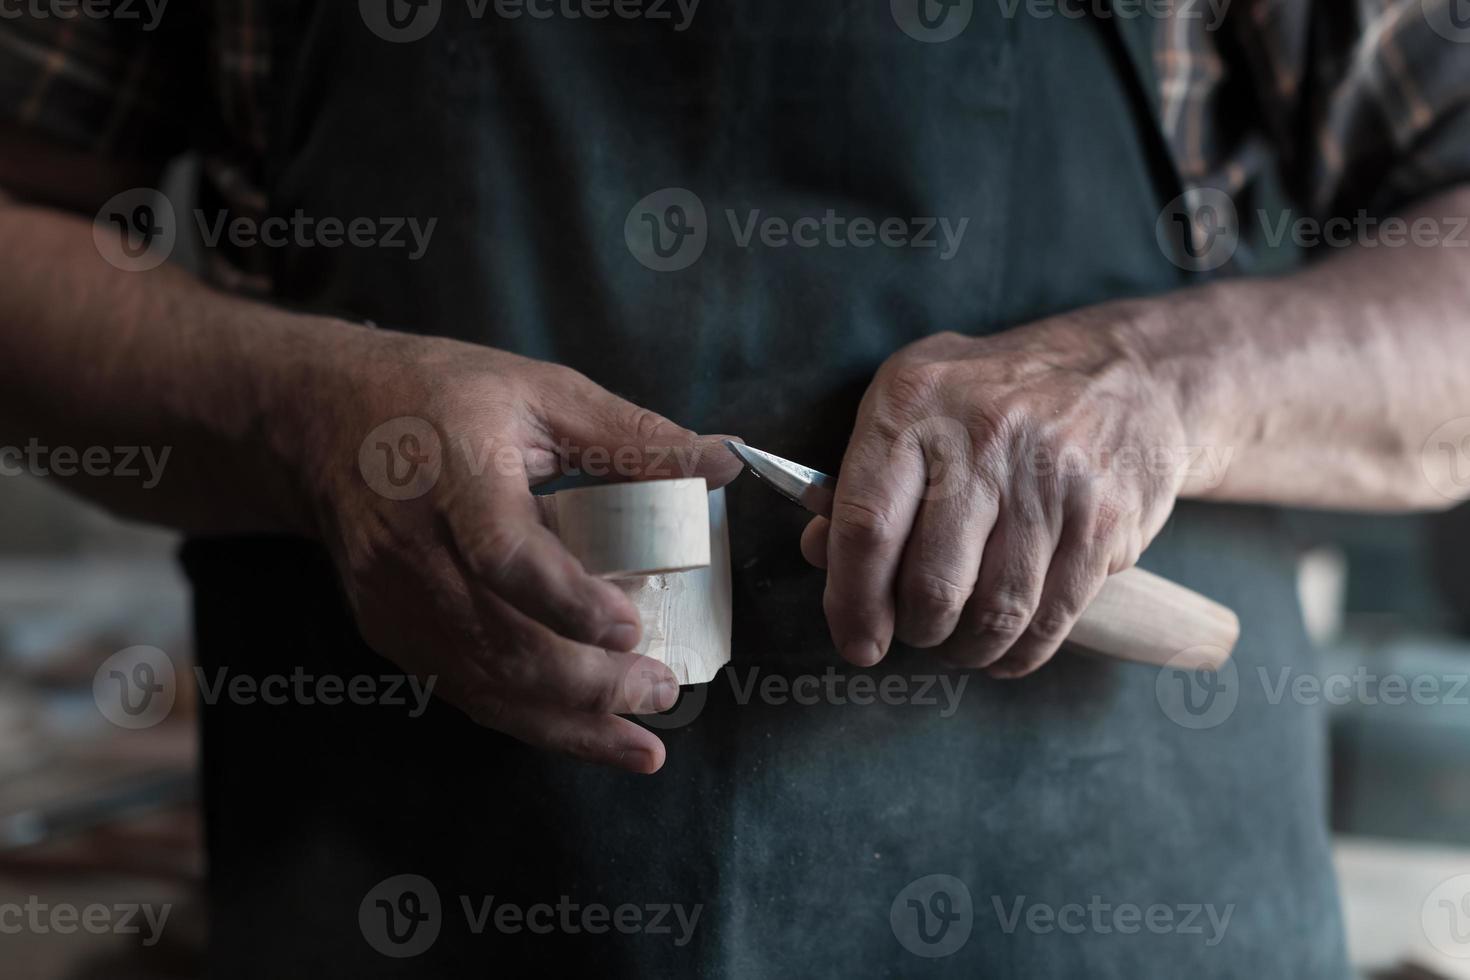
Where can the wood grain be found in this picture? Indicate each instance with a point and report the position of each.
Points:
(1140, 616)
(629, 529)
(666, 543)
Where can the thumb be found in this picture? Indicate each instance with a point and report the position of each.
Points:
(609, 437)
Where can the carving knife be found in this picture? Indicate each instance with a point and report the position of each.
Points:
(1136, 616)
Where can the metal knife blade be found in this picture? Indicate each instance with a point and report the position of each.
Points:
(803, 485)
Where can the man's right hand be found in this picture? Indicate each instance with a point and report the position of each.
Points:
(421, 486)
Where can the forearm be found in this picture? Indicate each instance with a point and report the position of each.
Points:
(1323, 388)
(152, 362)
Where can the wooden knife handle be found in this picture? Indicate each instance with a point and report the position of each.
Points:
(1140, 616)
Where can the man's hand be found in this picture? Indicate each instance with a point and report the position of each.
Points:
(461, 581)
(990, 486)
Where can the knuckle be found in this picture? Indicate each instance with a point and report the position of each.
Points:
(1107, 518)
(934, 595)
(1002, 621)
(914, 387)
(1053, 622)
(514, 673)
(863, 520)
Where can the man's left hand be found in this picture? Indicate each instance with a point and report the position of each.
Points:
(991, 485)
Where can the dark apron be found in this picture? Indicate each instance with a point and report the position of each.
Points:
(798, 828)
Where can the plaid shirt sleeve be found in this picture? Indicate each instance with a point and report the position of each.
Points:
(1364, 104)
(109, 86)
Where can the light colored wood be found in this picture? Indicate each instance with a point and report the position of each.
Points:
(686, 615)
(666, 543)
(630, 529)
(1140, 616)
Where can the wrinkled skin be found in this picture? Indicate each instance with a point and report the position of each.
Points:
(464, 583)
(990, 486)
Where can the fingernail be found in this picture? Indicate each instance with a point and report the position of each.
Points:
(864, 653)
(665, 694)
(620, 636)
